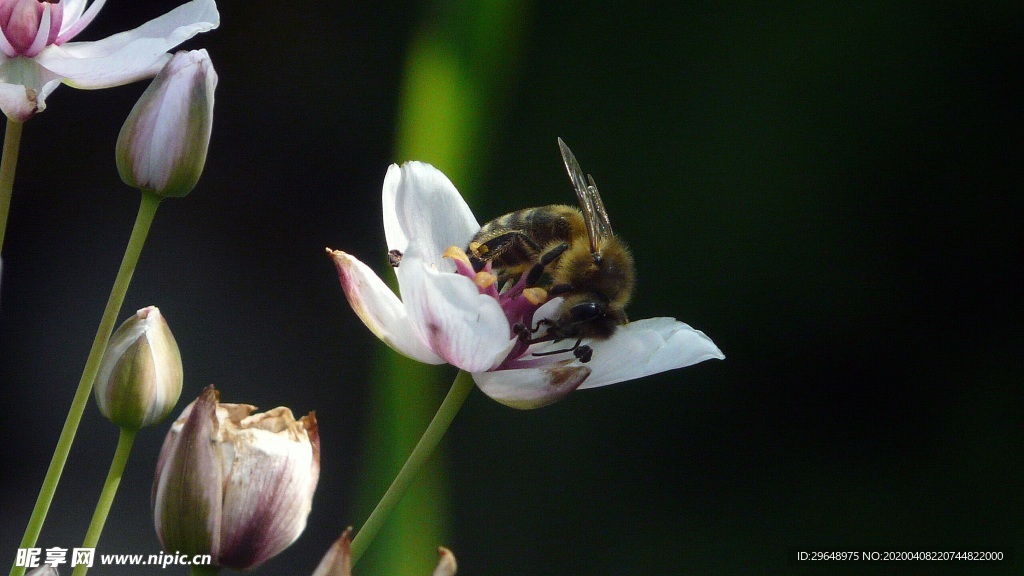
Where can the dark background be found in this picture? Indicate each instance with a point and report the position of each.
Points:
(831, 193)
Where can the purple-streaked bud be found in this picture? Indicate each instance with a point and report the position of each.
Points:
(162, 145)
(140, 375)
(233, 484)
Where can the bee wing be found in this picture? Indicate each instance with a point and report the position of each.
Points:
(594, 214)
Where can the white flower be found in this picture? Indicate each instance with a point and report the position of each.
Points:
(444, 315)
(35, 55)
(235, 485)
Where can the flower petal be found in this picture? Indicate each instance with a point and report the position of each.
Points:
(72, 12)
(338, 559)
(269, 490)
(647, 347)
(466, 328)
(129, 56)
(532, 387)
(393, 234)
(187, 489)
(429, 210)
(446, 565)
(379, 308)
(24, 86)
(18, 102)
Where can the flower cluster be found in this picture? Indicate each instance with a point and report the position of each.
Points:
(449, 313)
(37, 55)
(233, 483)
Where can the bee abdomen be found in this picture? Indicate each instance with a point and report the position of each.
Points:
(519, 237)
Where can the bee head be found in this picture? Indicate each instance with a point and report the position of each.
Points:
(589, 316)
(614, 272)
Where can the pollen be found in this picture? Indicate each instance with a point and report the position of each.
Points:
(536, 296)
(478, 248)
(456, 253)
(485, 279)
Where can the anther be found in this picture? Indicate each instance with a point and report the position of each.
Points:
(456, 253)
(485, 279)
(536, 296)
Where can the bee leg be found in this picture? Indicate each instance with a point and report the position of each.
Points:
(545, 259)
(583, 353)
(480, 253)
(544, 322)
(559, 289)
(522, 332)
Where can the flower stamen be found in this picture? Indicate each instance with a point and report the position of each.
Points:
(80, 24)
(485, 279)
(536, 296)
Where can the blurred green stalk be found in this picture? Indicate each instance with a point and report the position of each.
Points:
(8, 163)
(458, 65)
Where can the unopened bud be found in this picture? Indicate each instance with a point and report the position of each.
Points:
(140, 376)
(162, 145)
(233, 484)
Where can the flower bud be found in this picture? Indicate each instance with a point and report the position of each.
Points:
(140, 375)
(338, 559)
(235, 485)
(162, 145)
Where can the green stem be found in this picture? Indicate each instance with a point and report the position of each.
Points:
(99, 516)
(197, 570)
(424, 448)
(147, 210)
(9, 161)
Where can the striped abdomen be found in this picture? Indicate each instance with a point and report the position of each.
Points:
(518, 238)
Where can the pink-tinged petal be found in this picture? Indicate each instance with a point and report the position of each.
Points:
(268, 492)
(187, 493)
(129, 56)
(79, 21)
(24, 86)
(532, 387)
(18, 102)
(6, 49)
(73, 11)
(393, 234)
(446, 565)
(338, 559)
(42, 32)
(646, 347)
(431, 211)
(466, 328)
(379, 308)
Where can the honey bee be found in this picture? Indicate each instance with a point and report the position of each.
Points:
(571, 253)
